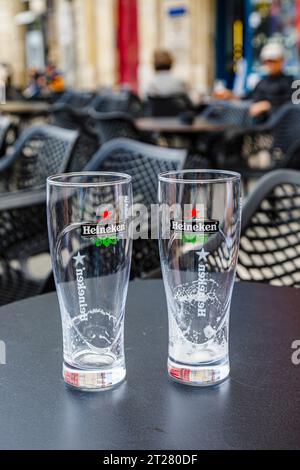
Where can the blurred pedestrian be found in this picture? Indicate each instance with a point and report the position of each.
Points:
(55, 79)
(37, 85)
(275, 89)
(44, 84)
(164, 82)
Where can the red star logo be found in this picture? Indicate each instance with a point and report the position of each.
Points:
(193, 213)
(105, 215)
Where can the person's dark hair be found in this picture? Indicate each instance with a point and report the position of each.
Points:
(163, 60)
(38, 74)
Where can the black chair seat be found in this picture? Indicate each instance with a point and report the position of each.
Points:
(270, 234)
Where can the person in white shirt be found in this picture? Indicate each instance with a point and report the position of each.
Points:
(164, 83)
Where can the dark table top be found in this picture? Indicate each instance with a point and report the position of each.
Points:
(25, 107)
(258, 407)
(170, 125)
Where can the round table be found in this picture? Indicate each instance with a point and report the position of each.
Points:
(173, 125)
(25, 108)
(257, 407)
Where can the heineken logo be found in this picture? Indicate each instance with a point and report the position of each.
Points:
(105, 231)
(97, 230)
(81, 287)
(207, 226)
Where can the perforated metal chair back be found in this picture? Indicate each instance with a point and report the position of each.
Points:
(285, 130)
(111, 126)
(143, 162)
(23, 236)
(39, 152)
(223, 112)
(88, 141)
(75, 99)
(123, 101)
(160, 106)
(62, 115)
(270, 237)
(275, 144)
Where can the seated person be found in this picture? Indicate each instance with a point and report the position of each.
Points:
(276, 88)
(164, 83)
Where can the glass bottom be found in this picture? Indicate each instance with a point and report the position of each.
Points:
(200, 376)
(93, 380)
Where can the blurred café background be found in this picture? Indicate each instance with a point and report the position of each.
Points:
(103, 43)
(144, 86)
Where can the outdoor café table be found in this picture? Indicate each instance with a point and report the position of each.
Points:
(170, 125)
(257, 407)
(25, 108)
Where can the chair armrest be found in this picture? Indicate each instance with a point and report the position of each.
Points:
(23, 199)
(65, 107)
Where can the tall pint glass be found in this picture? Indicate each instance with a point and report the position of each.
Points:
(88, 225)
(199, 231)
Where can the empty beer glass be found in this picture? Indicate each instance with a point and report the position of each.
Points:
(199, 230)
(88, 225)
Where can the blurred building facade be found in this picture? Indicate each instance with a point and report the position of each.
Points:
(245, 26)
(107, 42)
(112, 41)
(187, 29)
(12, 39)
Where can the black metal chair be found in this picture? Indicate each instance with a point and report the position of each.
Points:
(64, 115)
(255, 150)
(232, 114)
(124, 101)
(227, 112)
(168, 106)
(23, 229)
(143, 162)
(23, 236)
(68, 117)
(76, 99)
(39, 152)
(270, 233)
(111, 126)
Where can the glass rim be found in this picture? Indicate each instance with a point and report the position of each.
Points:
(64, 179)
(224, 176)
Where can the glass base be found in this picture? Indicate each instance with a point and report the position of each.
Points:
(93, 380)
(199, 376)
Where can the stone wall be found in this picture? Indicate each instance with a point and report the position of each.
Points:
(84, 40)
(12, 39)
